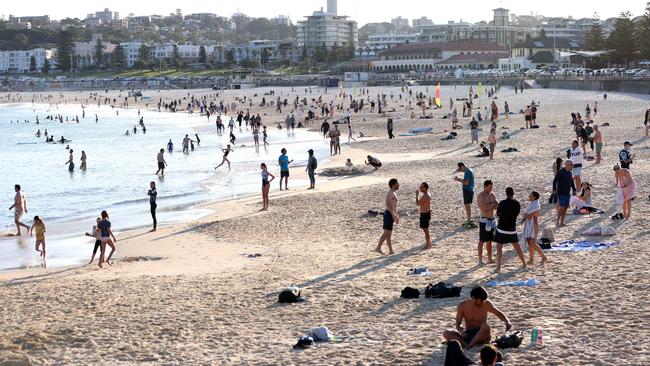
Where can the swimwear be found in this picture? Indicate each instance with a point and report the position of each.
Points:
(484, 235)
(470, 334)
(388, 221)
(425, 219)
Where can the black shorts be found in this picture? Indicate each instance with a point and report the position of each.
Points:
(284, 173)
(161, 165)
(425, 218)
(468, 197)
(388, 221)
(502, 238)
(484, 236)
(528, 118)
(470, 334)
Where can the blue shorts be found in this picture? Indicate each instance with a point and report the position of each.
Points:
(576, 171)
(563, 201)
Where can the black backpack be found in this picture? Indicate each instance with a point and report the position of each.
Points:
(442, 290)
(410, 293)
(289, 295)
(512, 340)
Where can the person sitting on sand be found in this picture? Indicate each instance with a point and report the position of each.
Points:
(39, 227)
(484, 152)
(390, 217)
(373, 161)
(490, 356)
(474, 313)
(348, 165)
(584, 199)
(424, 203)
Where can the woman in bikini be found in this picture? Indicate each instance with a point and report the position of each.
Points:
(226, 151)
(39, 227)
(266, 186)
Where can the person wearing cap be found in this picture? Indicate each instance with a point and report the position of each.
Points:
(468, 192)
(564, 187)
(312, 164)
(626, 156)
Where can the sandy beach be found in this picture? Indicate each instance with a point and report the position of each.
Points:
(205, 292)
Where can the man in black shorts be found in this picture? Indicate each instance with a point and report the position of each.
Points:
(487, 203)
(507, 211)
(390, 217)
(424, 203)
(161, 162)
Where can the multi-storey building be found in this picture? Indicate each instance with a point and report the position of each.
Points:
(328, 29)
(20, 61)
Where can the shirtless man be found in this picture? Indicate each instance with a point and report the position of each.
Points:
(390, 217)
(161, 162)
(186, 144)
(424, 203)
(19, 207)
(487, 203)
(474, 312)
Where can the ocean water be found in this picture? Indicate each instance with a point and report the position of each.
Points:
(119, 171)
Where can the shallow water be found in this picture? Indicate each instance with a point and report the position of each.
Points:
(119, 171)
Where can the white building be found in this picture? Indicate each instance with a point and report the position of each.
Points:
(381, 42)
(20, 61)
(131, 52)
(325, 29)
(84, 52)
(417, 23)
(187, 52)
(400, 23)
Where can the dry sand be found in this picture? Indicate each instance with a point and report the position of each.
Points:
(190, 293)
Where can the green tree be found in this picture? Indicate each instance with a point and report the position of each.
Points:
(176, 58)
(621, 39)
(305, 53)
(99, 54)
(119, 58)
(32, 64)
(320, 55)
(46, 67)
(203, 57)
(643, 34)
(264, 57)
(64, 51)
(144, 58)
(595, 37)
(230, 56)
(334, 54)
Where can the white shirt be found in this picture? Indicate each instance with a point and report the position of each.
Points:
(576, 155)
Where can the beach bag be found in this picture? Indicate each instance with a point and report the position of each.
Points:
(512, 340)
(304, 342)
(547, 233)
(290, 295)
(442, 290)
(410, 293)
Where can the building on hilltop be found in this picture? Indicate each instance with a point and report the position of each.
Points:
(326, 29)
(20, 61)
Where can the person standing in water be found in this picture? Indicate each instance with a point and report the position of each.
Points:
(106, 234)
(284, 162)
(225, 151)
(83, 160)
(70, 162)
(390, 217)
(170, 146)
(424, 203)
(266, 186)
(264, 136)
(39, 227)
(19, 207)
(161, 162)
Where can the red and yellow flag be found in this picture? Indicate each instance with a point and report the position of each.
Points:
(438, 102)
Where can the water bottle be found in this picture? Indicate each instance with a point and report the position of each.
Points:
(539, 338)
(533, 336)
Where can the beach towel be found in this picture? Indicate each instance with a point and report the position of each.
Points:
(441, 290)
(528, 283)
(600, 231)
(582, 246)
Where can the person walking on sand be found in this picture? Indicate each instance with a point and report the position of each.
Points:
(19, 207)
(492, 141)
(563, 187)
(390, 217)
(506, 109)
(312, 164)
(160, 158)
(389, 128)
(39, 227)
(424, 203)
(106, 234)
(225, 151)
(468, 192)
(153, 194)
(531, 227)
(474, 313)
(95, 233)
(598, 141)
(266, 186)
(487, 204)
(507, 211)
(284, 162)
(350, 132)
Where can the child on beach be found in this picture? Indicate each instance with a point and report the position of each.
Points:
(266, 186)
(39, 227)
(94, 233)
(225, 151)
(424, 203)
(348, 165)
(106, 234)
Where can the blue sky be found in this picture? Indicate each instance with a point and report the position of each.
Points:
(363, 11)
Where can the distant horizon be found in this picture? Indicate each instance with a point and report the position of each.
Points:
(362, 11)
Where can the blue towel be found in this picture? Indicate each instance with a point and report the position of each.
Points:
(529, 283)
(582, 245)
